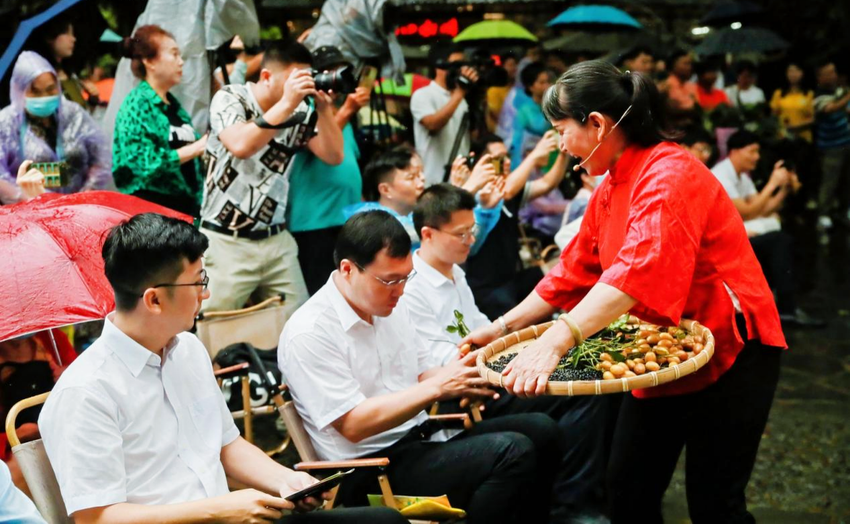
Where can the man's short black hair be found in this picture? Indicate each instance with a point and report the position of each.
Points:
(382, 168)
(147, 250)
(286, 52)
(675, 55)
(479, 147)
(745, 65)
(695, 134)
(741, 139)
(437, 203)
(440, 53)
(529, 75)
(635, 51)
(365, 234)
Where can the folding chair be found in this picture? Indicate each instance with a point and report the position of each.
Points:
(35, 466)
(310, 459)
(259, 325)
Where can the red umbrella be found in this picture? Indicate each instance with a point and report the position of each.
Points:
(51, 269)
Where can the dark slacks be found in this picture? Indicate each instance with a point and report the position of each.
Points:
(773, 251)
(348, 516)
(586, 427)
(720, 428)
(497, 471)
(316, 255)
(498, 300)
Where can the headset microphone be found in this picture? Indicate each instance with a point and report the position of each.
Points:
(581, 164)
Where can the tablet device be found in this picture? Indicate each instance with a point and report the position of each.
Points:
(319, 487)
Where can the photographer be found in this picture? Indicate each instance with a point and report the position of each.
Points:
(439, 109)
(256, 129)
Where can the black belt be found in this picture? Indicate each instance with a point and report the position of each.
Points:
(250, 235)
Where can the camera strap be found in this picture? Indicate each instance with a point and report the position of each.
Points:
(461, 132)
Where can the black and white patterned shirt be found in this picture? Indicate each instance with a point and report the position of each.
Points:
(251, 194)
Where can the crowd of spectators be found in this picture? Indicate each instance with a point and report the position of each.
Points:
(286, 203)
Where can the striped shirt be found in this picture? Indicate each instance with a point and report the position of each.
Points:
(832, 129)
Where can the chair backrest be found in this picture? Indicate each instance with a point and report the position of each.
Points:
(260, 325)
(34, 464)
(296, 430)
(42, 483)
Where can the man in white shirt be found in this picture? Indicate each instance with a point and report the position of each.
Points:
(759, 210)
(745, 93)
(361, 378)
(438, 110)
(444, 219)
(136, 428)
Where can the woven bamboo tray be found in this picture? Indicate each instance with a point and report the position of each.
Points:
(518, 340)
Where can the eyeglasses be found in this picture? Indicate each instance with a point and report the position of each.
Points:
(205, 281)
(466, 236)
(388, 283)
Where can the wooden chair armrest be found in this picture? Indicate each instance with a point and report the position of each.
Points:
(548, 250)
(233, 371)
(207, 315)
(379, 462)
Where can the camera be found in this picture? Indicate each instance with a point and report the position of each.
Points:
(499, 163)
(340, 80)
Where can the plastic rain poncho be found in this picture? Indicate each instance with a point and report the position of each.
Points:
(80, 142)
(356, 28)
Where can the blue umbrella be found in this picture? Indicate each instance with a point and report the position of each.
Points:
(583, 15)
(26, 28)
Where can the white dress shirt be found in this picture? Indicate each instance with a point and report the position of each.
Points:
(332, 360)
(741, 186)
(123, 425)
(432, 300)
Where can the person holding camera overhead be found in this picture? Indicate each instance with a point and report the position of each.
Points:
(438, 110)
(155, 148)
(255, 131)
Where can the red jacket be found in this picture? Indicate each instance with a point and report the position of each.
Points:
(662, 229)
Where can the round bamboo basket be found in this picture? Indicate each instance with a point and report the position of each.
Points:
(518, 340)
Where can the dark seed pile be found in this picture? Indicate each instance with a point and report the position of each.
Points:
(564, 373)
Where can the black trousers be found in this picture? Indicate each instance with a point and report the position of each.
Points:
(720, 428)
(496, 301)
(586, 429)
(499, 471)
(316, 255)
(773, 251)
(348, 516)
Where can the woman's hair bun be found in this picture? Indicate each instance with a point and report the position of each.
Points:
(128, 47)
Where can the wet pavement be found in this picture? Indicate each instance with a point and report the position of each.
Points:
(802, 474)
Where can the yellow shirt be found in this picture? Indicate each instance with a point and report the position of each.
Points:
(794, 109)
(495, 100)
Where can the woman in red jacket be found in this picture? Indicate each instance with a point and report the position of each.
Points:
(662, 240)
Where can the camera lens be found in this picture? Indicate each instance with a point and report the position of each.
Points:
(339, 80)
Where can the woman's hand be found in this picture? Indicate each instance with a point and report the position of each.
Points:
(31, 181)
(528, 373)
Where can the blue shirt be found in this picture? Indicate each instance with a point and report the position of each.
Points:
(529, 127)
(486, 219)
(832, 130)
(14, 505)
(318, 191)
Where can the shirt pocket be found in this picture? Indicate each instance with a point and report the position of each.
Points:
(206, 417)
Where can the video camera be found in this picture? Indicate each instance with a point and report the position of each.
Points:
(482, 66)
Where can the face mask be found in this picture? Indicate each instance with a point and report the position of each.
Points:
(42, 106)
(581, 164)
